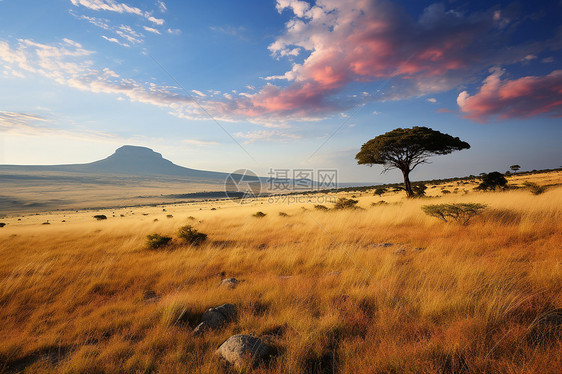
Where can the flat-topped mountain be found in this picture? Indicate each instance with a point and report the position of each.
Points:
(127, 160)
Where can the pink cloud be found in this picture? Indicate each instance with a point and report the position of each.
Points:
(444, 110)
(363, 41)
(523, 97)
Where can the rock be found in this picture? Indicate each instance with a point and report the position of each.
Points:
(229, 283)
(215, 318)
(332, 274)
(243, 350)
(150, 296)
(285, 277)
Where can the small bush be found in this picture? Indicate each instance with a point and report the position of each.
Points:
(491, 181)
(155, 241)
(100, 217)
(320, 207)
(535, 188)
(2, 224)
(191, 236)
(419, 190)
(379, 191)
(344, 203)
(377, 203)
(444, 192)
(259, 214)
(460, 212)
(283, 214)
(169, 216)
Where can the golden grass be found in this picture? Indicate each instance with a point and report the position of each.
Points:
(340, 300)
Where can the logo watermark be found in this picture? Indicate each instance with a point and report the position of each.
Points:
(281, 185)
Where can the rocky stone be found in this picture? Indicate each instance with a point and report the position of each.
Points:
(215, 318)
(229, 283)
(243, 350)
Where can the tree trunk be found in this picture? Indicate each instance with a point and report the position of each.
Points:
(407, 184)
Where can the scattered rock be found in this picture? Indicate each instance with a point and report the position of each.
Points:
(243, 350)
(229, 283)
(332, 273)
(215, 318)
(150, 296)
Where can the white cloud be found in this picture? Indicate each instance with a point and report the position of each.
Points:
(70, 66)
(266, 136)
(174, 31)
(199, 142)
(113, 6)
(31, 124)
(162, 6)
(127, 33)
(199, 93)
(150, 29)
(72, 43)
(432, 100)
(114, 40)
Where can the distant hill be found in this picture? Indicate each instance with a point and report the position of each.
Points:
(127, 160)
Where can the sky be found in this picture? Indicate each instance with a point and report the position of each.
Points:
(287, 84)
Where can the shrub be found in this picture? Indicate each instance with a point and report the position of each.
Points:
(259, 214)
(155, 241)
(191, 236)
(419, 190)
(491, 181)
(100, 217)
(283, 214)
(382, 202)
(2, 224)
(320, 207)
(169, 216)
(344, 203)
(444, 192)
(459, 212)
(380, 191)
(535, 188)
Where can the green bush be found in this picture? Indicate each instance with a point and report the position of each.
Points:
(377, 203)
(459, 212)
(155, 241)
(259, 214)
(535, 188)
(379, 191)
(344, 203)
(100, 217)
(419, 190)
(191, 236)
(491, 181)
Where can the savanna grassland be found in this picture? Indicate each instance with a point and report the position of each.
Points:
(383, 289)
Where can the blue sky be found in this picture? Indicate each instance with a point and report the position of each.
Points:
(265, 84)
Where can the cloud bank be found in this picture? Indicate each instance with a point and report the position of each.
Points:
(518, 98)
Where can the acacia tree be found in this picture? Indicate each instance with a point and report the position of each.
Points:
(404, 149)
(514, 168)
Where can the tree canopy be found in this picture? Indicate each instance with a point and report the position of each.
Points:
(404, 149)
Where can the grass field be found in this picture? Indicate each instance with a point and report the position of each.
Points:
(384, 289)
